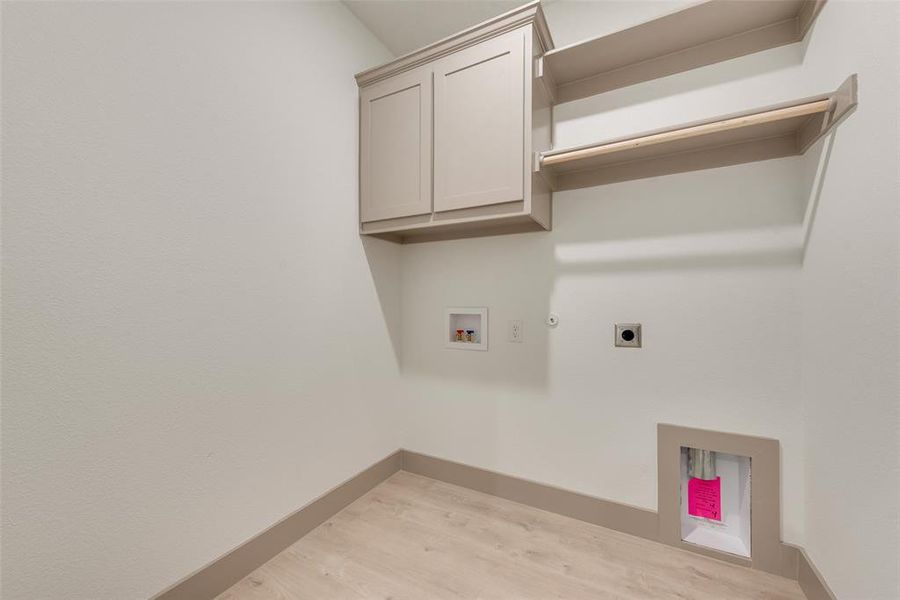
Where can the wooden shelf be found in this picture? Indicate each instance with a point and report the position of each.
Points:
(699, 35)
(785, 129)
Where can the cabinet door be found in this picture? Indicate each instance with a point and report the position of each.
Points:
(479, 97)
(395, 147)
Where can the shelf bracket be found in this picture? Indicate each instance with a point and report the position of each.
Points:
(549, 177)
(542, 74)
(843, 100)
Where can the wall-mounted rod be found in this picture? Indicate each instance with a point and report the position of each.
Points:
(780, 114)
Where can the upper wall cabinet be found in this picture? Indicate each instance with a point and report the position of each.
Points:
(479, 99)
(449, 135)
(395, 147)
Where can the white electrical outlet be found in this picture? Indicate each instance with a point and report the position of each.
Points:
(516, 331)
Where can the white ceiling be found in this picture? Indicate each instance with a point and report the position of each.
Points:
(405, 25)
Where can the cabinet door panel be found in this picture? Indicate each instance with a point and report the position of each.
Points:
(395, 147)
(479, 100)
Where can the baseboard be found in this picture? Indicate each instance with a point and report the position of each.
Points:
(222, 573)
(612, 515)
(810, 579)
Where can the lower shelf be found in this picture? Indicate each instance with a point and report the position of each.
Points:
(785, 129)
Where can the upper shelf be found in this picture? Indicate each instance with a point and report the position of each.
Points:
(785, 129)
(699, 35)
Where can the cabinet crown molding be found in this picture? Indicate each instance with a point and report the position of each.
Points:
(530, 13)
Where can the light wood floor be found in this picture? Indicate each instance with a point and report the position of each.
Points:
(416, 538)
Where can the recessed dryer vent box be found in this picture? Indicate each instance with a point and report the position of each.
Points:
(726, 510)
(466, 328)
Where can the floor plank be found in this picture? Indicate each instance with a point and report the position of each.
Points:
(414, 538)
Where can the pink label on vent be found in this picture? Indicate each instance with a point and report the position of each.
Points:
(705, 498)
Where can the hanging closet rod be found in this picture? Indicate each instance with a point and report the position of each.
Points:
(780, 114)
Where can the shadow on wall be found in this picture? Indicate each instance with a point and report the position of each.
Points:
(815, 168)
(742, 216)
(746, 216)
(384, 265)
(511, 275)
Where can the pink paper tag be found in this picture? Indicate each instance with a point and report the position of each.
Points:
(705, 498)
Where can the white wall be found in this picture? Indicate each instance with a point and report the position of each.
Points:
(850, 307)
(739, 332)
(194, 345)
